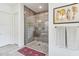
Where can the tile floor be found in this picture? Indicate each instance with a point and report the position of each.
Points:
(11, 50)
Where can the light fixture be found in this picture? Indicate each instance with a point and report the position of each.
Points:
(40, 7)
(39, 21)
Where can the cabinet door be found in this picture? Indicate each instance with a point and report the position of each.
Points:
(60, 36)
(71, 37)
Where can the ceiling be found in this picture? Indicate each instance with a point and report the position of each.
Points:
(37, 7)
(11, 4)
(59, 4)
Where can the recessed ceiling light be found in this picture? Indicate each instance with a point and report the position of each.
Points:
(39, 21)
(40, 7)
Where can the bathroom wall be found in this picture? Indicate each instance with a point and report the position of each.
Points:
(53, 50)
(28, 25)
(15, 28)
(14, 10)
(5, 24)
(34, 20)
(17, 24)
(31, 20)
(29, 28)
(28, 12)
(11, 24)
(42, 24)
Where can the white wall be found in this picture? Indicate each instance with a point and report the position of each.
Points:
(53, 49)
(20, 25)
(15, 20)
(15, 28)
(54, 5)
(17, 24)
(11, 24)
(5, 24)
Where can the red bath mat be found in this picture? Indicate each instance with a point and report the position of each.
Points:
(30, 52)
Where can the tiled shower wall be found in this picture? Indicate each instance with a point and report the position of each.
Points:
(43, 24)
(32, 21)
(28, 15)
(28, 12)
